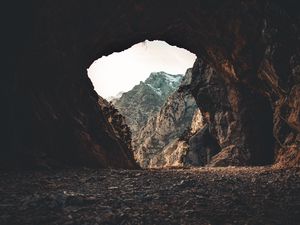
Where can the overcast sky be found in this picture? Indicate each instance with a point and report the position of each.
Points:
(121, 71)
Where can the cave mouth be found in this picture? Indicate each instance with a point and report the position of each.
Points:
(120, 71)
(133, 120)
(249, 43)
(49, 74)
(146, 83)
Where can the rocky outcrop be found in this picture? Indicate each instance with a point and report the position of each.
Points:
(176, 152)
(229, 156)
(117, 122)
(154, 146)
(194, 147)
(228, 109)
(202, 145)
(51, 111)
(146, 98)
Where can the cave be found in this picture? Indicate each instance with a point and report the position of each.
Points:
(144, 92)
(52, 117)
(61, 161)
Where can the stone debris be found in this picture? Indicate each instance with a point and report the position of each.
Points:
(258, 195)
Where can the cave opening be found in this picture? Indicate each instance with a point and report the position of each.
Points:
(145, 92)
(63, 101)
(119, 72)
(163, 125)
(246, 83)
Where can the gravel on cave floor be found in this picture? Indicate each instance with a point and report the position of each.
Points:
(216, 196)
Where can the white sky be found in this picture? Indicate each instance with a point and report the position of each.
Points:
(121, 71)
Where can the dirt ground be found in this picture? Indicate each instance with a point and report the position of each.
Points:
(216, 196)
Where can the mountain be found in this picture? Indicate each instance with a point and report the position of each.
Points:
(146, 99)
(114, 98)
(157, 144)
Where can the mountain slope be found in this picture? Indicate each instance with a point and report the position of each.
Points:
(173, 119)
(146, 98)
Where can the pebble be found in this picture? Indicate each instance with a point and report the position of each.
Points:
(189, 196)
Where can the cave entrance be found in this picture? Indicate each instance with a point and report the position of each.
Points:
(49, 70)
(120, 71)
(147, 96)
(147, 87)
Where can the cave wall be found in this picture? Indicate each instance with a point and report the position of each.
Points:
(239, 118)
(51, 106)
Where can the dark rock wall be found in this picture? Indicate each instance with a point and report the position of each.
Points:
(117, 124)
(51, 106)
(236, 116)
(205, 145)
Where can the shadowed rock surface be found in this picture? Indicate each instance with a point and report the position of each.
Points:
(237, 117)
(206, 196)
(51, 114)
(51, 111)
(118, 124)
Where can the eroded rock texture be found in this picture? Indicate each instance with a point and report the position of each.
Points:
(193, 148)
(153, 146)
(145, 99)
(239, 118)
(52, 110)
(117, 122)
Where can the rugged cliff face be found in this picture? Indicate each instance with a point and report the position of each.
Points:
(52, 111)
(146, 98)
(226, 110)
(117, 122)
(179, 151)
(174, 117)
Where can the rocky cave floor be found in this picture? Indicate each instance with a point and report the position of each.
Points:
(259, 195)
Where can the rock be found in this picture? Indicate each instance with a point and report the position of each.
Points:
(117, 123)
(155, 145)
(171, 155)
(229, 156)
(202, 147)
(50, 110)
(236, 116)
(145, 99)
(184, 196)
(113, 188)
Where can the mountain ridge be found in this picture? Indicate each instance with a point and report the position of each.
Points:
(145, 99)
